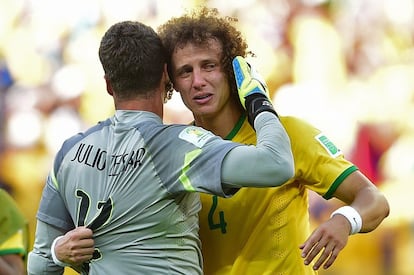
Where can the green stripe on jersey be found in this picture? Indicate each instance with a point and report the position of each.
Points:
(189, 157)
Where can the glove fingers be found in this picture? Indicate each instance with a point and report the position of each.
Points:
(241, 71)
(245, 73)
(255, 75)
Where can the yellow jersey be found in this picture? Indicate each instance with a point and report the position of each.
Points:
(14, 245)
(259, 230)
(14, 227)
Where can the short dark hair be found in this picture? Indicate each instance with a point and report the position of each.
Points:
(198, 27)
(133, 58)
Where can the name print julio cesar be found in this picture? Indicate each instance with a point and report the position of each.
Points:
(97, 158)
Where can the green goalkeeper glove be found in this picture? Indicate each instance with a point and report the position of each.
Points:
(253, 92)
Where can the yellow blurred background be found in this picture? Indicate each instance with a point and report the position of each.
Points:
(345, 66)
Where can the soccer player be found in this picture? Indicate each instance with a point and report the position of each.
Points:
(263, 231)
(133, 181)
(13, 236)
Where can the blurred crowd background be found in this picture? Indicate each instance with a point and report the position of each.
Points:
(346, 66)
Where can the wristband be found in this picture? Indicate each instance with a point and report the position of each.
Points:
(52, 251)
(352, 216)
(257, 103)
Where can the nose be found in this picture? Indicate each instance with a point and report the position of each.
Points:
(198, 79)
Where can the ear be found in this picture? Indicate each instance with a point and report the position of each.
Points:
(109, 86)
(165, 74)
(167, 78)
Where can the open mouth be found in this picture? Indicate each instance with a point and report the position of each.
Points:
(201, 97)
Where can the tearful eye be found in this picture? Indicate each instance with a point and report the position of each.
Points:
(209, 66)
(184, 72)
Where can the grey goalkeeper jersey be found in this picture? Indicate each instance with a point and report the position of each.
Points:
(128, 179)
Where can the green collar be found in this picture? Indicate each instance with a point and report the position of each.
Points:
(236, 128)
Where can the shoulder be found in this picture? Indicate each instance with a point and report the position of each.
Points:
(69, 143)
(194, 135)
(292, 123)
(305, 137)
(7, 200)
(298, 128)
(4, 196)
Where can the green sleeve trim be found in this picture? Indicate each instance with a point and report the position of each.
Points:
(236, 128)
(338, 181)
(185, 181)
(19, 251)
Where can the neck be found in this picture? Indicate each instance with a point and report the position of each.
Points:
(152, 104)
(221, 124)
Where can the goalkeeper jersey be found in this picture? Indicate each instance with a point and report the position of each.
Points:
(128, 179)
(258, 231)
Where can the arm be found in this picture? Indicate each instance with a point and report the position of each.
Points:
(40, 259)
(359, 192)
(11, 264)
(332, 236)
(270, 162)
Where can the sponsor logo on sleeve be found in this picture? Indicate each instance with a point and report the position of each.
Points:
(328, 145)
(195, 135)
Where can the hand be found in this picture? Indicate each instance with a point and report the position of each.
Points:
(252, 89)
(328, 239)
(76, 246)
(248, 80)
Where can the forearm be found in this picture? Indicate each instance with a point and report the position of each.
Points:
(5, 268)
(11, 264)
(360, 193)
(40, 259)
(372, 206)
(269, 163)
